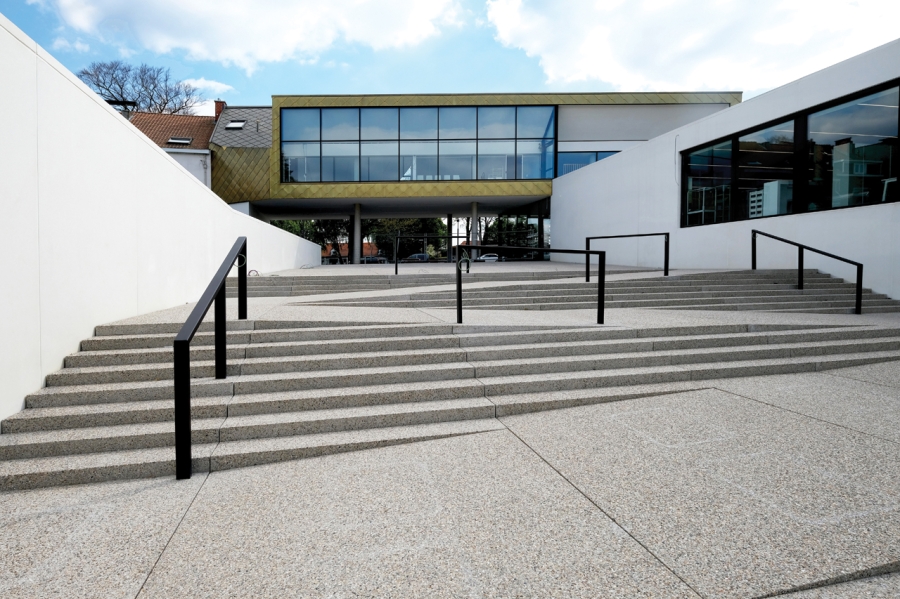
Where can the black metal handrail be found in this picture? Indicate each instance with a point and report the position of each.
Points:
(587, 246)
(215, 292)
(425, 238)
(601, 279)
(801, 247)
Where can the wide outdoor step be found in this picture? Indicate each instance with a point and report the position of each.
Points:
(147, 463)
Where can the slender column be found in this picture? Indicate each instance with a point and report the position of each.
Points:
(476, 234)
(357, 233)
(451, 240)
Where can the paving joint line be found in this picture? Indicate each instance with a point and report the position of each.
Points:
(866, 573)
(601, 510)
(174, 532)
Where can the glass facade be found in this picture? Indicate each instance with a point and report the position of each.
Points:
(842, 155)
(567, 162)
(447, 143)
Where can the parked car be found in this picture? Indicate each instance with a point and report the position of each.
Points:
(487, 258)
(374, 260)
(416, 258)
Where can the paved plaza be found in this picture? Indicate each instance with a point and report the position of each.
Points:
(762, 486)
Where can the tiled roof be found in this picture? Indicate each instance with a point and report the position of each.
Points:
(257, 130)
(161, 127)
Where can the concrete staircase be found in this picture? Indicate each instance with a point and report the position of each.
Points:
(773, 290)
(278, 286)
(297, 390)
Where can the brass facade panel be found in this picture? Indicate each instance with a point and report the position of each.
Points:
(241, 174)
(414, 189)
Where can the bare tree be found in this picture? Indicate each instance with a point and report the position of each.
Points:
(150, 88)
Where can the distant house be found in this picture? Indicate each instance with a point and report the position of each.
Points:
(184, 137)
(368, 249)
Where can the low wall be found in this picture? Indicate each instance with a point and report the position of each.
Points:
(98, 222)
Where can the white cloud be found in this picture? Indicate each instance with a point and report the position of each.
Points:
(691, 44)
(248, 33)
(65, 45)
(214, 87)
(207, 108)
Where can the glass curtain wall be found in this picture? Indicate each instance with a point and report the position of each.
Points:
(418, 144)
(568, 162)
(841, 156)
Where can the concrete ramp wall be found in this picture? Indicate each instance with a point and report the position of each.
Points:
(97, 223)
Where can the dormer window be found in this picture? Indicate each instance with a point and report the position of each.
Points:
(235, 125)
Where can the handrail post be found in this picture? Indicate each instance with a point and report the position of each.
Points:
(219, 335)
(242, 284)
(753, 250)
(459, 291)
(182, 350)
(396, 251)
(666, 257)
(601, 286)
(859, 288)
(800, 268)
(587, 260)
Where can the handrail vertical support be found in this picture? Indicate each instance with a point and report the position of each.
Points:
(859, 288)
(753, 250)
(601, 287)
(459, 292)
(666, 258)
(587, 260)
(242, 285)
(220, 352)
(182, 351)
(800, 268)
(396, 257)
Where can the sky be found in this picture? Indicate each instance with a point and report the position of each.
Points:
(245, 51)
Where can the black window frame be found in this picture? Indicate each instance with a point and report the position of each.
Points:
(800, 178)
(438, 139)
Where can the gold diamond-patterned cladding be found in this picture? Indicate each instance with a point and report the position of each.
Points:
(414, 189)
(240, 174)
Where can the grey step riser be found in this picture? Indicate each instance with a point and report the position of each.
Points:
(439, 343)
(751, 292)
(215, 432)
(799, 306)
(491, 387)
(310, 374)
(116, 415)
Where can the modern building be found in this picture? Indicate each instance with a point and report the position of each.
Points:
(430, 155)
(815, 161)
(183, 137)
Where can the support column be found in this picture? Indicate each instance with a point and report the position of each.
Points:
(451, 240)
(357, 233)
(540, 255)
(476, 234)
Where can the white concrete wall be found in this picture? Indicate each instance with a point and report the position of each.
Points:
(638, 191)
(97, 222)
(196, 163)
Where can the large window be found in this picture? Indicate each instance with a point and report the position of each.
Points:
(568, 162)
(837, 156)
(447, 143)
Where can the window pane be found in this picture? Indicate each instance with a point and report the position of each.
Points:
(299, 162)
(602, 155)
(379, 161)
(709, 185)
(536, 121)
(457, 160)
(418, 123)
(418, 160)
(340, 161)
(567, 162)
(378, 123)
(765, 173)
(496, 121)
(534, 159)
(496, 159)
(853, 153)
(299, 124)
(340, 123)
(458, 123)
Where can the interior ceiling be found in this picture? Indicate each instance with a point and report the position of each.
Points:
(424, 207)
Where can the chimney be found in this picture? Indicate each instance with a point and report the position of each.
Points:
(220, 106)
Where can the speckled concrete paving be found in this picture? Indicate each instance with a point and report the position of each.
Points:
(758, 487)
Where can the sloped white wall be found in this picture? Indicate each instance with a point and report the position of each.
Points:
(638, 191)
(97, 222)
